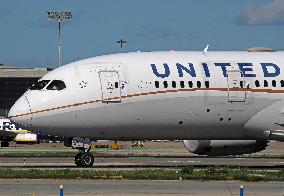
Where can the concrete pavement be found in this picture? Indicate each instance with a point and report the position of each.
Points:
(112, 187)
(54, 162)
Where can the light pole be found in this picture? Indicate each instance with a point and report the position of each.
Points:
(121, 42)
(59, 16)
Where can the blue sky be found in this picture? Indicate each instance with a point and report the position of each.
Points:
(28, 39)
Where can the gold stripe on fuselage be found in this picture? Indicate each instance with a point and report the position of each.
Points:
(150, 93)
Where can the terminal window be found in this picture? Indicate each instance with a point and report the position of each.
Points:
(11, 89)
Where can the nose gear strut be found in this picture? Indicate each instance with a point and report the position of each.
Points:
(84, 158)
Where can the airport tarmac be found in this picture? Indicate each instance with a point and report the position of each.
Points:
(150, 148)
(125, 187)
(132, 162)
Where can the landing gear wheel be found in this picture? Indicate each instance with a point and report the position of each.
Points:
(86, 159)
(77, 160)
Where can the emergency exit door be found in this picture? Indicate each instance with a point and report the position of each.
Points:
(110, 86)
(236, 86)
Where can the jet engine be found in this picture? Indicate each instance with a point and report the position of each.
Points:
(224, 147)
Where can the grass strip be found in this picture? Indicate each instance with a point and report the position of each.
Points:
(187, 173)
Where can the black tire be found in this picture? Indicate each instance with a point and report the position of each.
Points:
(87, 159)
(77, 160)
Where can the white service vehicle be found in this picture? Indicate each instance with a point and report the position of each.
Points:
(204, 98)
(26, 138)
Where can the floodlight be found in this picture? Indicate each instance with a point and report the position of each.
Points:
(59, 16)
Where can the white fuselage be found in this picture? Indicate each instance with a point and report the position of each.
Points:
(161, 95)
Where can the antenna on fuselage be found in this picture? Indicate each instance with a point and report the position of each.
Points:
(206, 49)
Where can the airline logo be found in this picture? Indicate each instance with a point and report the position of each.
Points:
(6, 125)
(246, 69)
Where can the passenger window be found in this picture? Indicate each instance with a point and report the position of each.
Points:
(56, 85)
(257, 83)
(198, 84)
(174, 84)
(282, 83)
(273, 83)
(190, 84)
(165, 84)
(265, 84)
(39, 85)
(207, 84)
(116, 84)
(157, 85)
(242, 84)
(182, 84)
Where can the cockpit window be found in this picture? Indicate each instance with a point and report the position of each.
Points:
(39, 85)
(56, 85)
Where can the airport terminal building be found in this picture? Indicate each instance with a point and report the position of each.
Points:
(14, 82)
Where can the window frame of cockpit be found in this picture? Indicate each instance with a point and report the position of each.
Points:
(43, 87)
(54, 80)
(51, 80)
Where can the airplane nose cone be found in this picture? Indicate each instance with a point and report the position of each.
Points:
(20, 112)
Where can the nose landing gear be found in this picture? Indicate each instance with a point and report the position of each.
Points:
(84, 158)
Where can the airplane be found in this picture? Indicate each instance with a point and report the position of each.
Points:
(219, 103)
(9, 132)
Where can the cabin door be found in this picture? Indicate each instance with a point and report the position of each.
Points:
(236, 86)
(110, 86)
